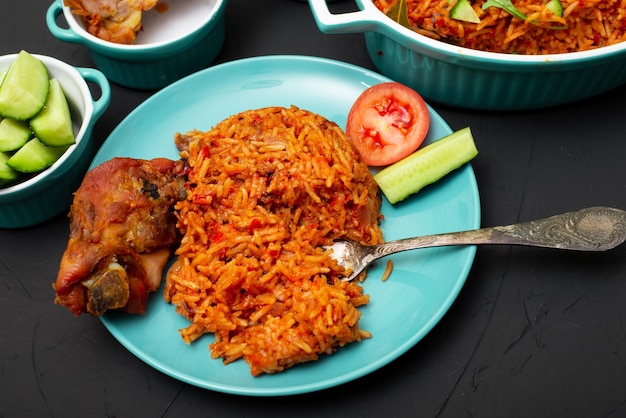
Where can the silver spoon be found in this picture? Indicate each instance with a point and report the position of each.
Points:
(591, 229)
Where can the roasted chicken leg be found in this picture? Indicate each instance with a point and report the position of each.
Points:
(122, 228)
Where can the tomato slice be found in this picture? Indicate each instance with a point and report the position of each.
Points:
(387, 122)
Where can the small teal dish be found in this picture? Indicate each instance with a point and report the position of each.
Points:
(49, 193)
(471, 79)
(171, 45)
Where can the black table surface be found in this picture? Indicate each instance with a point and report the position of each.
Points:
(533, 333)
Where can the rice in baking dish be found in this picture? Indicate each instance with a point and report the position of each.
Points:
(582, 24)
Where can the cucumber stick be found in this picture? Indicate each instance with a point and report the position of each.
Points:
(426, 165)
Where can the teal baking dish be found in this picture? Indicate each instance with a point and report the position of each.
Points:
(466, 78)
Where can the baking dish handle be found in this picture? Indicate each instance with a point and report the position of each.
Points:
(365, 20)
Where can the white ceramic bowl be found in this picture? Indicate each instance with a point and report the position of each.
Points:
(49, 192)
(172, 44)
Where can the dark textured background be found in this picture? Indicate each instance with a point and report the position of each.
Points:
(534, 333)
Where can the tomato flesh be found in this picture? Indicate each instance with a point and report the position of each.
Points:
(387, 122)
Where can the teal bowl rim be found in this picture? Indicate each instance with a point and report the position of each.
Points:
(136, 52)
(94, 109)
(370, 19)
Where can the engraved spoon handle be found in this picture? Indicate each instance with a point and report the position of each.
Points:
(591, 229)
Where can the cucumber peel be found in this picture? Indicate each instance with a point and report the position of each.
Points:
(426, 165)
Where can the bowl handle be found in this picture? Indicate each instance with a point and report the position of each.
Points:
(95, 76)
(365, 20)
(67, 35)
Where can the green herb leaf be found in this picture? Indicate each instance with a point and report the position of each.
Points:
(508, 7)
(505, 5)
(399, 13)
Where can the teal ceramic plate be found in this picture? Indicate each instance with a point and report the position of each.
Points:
(402, 310)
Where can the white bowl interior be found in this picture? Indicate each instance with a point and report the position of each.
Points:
(178, 19)
(80, 103)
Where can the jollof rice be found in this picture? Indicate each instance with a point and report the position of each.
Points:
(584, 25)
(267, 189)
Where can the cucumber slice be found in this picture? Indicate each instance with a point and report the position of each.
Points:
(34, 156)
(555, 7)
(7, 174)
(24, 90)
(426, 165)
(464, 11)
(13, 134)
(53, 125)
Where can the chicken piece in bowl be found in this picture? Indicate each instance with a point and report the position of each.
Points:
(140, 45)
(111, 20)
